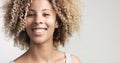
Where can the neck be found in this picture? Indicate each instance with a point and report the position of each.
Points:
(42, 52)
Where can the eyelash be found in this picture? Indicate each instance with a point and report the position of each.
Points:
(44, 14)
(30, 15)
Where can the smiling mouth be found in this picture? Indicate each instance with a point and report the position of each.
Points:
(39, 30)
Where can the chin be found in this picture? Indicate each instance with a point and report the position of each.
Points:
(37, 41)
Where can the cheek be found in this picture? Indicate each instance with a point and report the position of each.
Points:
(51, 21)
(28, 22)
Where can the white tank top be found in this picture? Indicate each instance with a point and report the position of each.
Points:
(67, 55)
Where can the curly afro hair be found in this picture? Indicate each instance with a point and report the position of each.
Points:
(68, 17)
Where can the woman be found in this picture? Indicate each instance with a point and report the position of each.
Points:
(40, 26)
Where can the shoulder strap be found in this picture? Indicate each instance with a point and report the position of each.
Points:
(68, 57)
(11, 62)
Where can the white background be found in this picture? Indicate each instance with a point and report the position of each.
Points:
(99, 40)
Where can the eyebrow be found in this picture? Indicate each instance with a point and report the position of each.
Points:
(46, 9)
(31, 10)
(42, 10)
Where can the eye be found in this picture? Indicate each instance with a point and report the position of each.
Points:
(46, 14)
(31, 15)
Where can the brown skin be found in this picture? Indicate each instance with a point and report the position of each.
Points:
(40, 25)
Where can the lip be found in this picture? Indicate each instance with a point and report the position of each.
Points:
(38, 31)
(39, 28)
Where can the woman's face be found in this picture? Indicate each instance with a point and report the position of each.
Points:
(41, 21)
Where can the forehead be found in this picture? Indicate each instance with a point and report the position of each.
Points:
(40, 4)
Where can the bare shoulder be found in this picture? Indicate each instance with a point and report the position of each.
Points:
(20, 58)
(75, 59)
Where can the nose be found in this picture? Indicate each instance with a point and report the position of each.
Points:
(39, 20)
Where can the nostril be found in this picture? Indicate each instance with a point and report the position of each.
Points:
(41, 22)
(36, 22)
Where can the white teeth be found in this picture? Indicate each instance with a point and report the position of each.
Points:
(38, 30)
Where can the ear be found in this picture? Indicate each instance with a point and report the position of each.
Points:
(56, 24)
